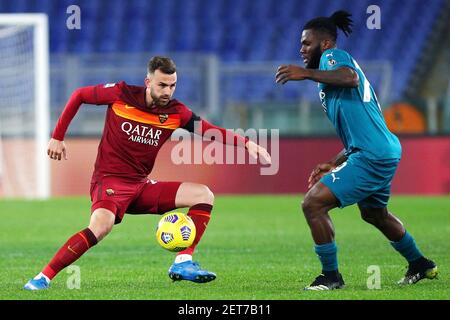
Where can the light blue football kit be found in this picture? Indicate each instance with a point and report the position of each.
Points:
(373, 151)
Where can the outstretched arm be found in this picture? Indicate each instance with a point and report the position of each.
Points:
(99, 94)
(341, 77)
(205, 129)
(213, 132)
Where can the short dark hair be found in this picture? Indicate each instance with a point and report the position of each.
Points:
(163, 64)
(340, 19)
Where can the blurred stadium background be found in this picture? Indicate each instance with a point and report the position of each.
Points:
(227, 52)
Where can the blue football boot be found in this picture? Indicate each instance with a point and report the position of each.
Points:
(37, 283)
(191, 271)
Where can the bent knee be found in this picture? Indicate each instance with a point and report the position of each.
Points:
(367, 218)
(376, 217)
(100, 231)
(312, 201)
(101, 223)
(198, 193)
(319, 199)
(205, 195)
(310, 207)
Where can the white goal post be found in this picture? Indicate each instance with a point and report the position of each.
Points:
(24, 105)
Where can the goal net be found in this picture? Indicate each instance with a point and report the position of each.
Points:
(24, 106)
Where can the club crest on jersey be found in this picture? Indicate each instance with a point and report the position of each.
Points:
(163, 117)
(109, 192)
(331, 62)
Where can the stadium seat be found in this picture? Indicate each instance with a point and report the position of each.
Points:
(237, 31)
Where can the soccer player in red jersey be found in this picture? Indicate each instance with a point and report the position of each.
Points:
(139, 120)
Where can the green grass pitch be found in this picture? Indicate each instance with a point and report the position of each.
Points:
(259, 246)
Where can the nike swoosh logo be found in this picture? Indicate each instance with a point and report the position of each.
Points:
(71, 250)
(128, 107)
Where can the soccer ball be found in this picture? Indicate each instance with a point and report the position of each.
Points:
(175, 231)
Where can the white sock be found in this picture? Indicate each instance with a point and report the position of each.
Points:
(42, 275)
(182, 258)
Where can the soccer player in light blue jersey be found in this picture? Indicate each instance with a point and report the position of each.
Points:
(363, 171)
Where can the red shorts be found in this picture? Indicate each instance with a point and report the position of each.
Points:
(122, 196)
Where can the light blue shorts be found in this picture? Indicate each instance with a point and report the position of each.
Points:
(362, 180)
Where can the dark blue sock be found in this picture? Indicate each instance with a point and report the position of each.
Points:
(328, 256)
(407, 247)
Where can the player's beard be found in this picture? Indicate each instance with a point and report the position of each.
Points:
(159, 101)
(315, 58)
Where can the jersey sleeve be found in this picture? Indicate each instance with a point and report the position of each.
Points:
(189, 123)
(100, 95)
(334, 59)
(108, 93)
(207, 130)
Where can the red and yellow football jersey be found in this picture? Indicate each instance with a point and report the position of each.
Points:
(133, 133)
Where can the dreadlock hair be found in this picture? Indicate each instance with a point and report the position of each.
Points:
(340, 19)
